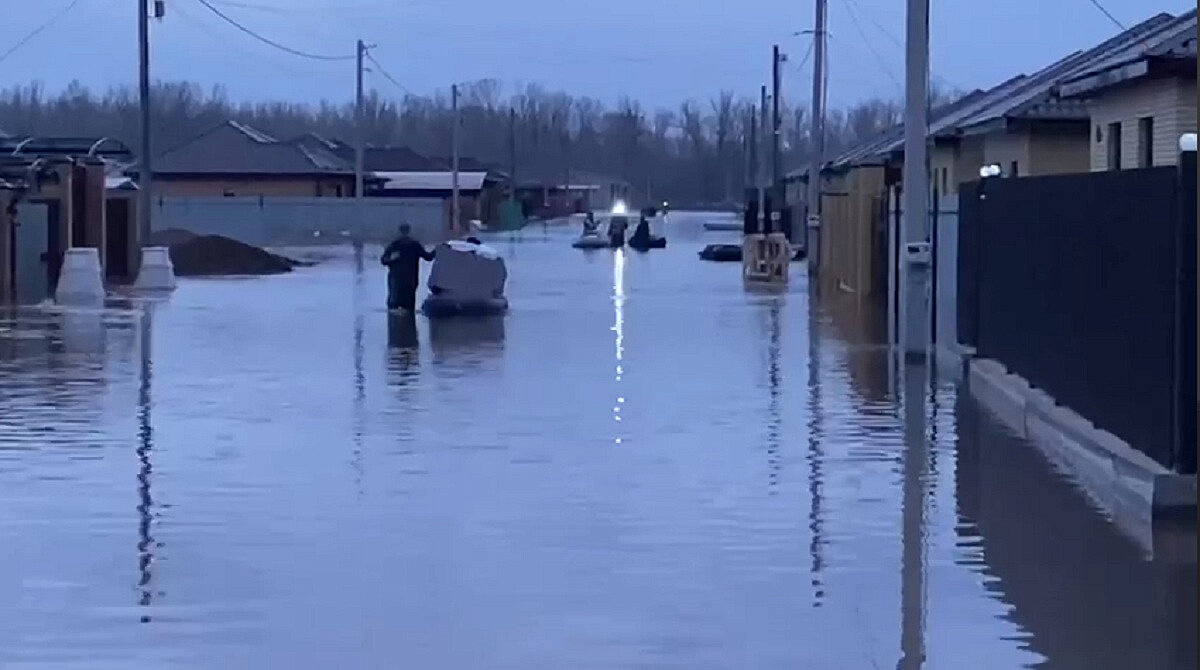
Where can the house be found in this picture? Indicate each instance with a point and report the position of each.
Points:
(56, 196)
(572, 191)
(1024, 125)
(1140, 99)
(233, 159)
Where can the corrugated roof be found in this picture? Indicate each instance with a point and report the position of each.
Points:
(234, 148)
(64, 146)
(1174, 39)
(1033, 94)
(431, 181)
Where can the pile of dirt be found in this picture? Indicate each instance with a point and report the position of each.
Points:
(217, 255)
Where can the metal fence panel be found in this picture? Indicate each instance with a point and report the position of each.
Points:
(1070, 280)
(294, 220)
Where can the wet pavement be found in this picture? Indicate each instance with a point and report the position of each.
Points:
(641, 466)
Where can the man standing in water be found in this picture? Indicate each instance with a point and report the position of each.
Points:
(403, 259)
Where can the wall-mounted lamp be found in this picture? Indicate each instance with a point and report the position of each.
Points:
(992, 170)
(1187, 142)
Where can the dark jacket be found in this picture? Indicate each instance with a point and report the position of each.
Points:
(403, 259)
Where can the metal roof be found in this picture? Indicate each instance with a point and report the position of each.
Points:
(431, 181)
(64, 146)
(234, 148)
(1033, 96)
(1173, 40)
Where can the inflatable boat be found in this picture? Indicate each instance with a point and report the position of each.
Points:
(467, 279)
(730, 225)
(652, 243)
(732, 253)
(591, 241)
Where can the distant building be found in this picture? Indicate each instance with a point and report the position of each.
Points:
(233, 159)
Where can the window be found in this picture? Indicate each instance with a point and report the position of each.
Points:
(1114, 146)
(945, 180)
(1146, 142)
(1012, 170)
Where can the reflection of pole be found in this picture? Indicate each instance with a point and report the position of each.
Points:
(912, 560)
(774, 376)
(816, 456)
(145, 506)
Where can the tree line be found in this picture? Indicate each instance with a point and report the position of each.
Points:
(695, 153)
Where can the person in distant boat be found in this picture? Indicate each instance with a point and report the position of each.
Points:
(641, 234)
(617, 226)
(589, 224)
(403, 259)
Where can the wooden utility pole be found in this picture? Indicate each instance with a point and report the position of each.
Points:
(817, 143)
(146, 174)
(360, 131)
(455, 214)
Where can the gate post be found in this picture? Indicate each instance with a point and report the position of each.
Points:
(1187, 350)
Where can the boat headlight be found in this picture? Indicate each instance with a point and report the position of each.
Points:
(619, 207)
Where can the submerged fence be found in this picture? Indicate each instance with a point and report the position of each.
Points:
(265, 221)
(1085, 285)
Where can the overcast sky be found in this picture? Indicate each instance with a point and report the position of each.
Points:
(658, 51)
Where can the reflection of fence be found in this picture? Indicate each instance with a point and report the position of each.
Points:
(291, 220)
(1085, 286)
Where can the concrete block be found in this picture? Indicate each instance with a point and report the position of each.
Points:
(80, 281)
(157, 272)
(999, 392)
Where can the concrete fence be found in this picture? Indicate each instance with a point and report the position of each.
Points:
(296, 220)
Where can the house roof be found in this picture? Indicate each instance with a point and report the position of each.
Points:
(1034, 96)
(234, 148)
(1174, 40)
(431, 181)
(103, 147)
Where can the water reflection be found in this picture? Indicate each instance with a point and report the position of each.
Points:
(618, 329)
(815, 454)
(913, 531)
(774, 415)
(146, 545)
(467, 338)
(1089, 596)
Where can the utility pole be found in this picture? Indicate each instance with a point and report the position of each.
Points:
(914, 221)
(817, 142)
(760, 179)
(359, 123)
(145, 175)
(776, 126)
(456, 218)
(512, 149)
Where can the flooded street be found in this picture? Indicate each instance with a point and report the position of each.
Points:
(640, 466)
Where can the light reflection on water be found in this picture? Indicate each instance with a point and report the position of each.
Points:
(641, 466)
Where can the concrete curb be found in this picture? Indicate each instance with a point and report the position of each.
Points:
(1129, 484)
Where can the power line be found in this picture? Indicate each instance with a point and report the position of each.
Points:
(380, 69)
(870, 47)
(216, 37)
(38, 30)
(1108, 14)
(895, 40)
(268, 41)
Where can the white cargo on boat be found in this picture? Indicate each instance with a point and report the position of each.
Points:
(466, 278)
(80, 281)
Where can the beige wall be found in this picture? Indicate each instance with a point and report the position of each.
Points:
(1170, 102)
(305, 187)
(1006, 147)
(1058, 152)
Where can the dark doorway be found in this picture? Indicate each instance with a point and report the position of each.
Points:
(54, 243)
(116, 240)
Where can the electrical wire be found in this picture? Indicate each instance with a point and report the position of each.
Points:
(1108, 14)
(384, 73)
(268, 41)
(883, 64)
(38, 30)
(218, 38)
(895, 40)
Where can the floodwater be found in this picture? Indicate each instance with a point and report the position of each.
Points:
(641, 466)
